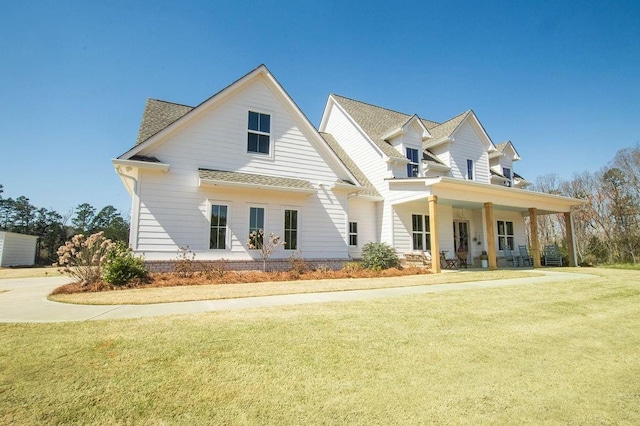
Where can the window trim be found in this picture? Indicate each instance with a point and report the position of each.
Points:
(505, 238)
(414, 164)
(297, 228)
(508, 175)
(353, 234)
(424, 233)
(264, 219)
(248, 131)
(227, 239)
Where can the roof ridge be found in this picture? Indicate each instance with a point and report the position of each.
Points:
(169, 102)
(386, 109)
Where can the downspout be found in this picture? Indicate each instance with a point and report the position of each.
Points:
(135, 208)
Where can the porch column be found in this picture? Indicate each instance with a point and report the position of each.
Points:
(435, 238)
(568, 222)
(535, 244)
(491, 236)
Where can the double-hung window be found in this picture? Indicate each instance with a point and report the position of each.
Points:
(218, 235)
(256, 226)
(505, 235)
(259, 133)
(507, 173)
(353, 233)
(469, 169)
(413, 167)
(421, 234)
(291, 229)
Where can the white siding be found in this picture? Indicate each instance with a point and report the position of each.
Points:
(468, 146)
(174, 209)
(363, 212)
(17, 249)
(519, 233)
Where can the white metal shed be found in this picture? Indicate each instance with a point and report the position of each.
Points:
(17, 249)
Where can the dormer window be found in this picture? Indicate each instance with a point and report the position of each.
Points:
(469, 169)
(259, 134)
(507, 173)
(413, 167)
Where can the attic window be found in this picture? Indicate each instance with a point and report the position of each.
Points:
(259, 133)
(413, 166)
(507, 173)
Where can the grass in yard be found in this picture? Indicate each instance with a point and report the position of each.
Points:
(553, 353)
(28, 272)
(226, 291)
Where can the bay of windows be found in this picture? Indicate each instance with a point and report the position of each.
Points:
(218, 235)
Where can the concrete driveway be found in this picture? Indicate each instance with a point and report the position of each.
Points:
(25, 299)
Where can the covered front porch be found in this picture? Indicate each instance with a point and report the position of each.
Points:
(472, 220)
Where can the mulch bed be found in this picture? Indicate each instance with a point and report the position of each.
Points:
(231, 277)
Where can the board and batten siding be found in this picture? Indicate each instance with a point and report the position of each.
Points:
(468, 146)
(17, 249)
(174, 210)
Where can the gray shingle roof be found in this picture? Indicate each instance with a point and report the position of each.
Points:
(255, 180)
(445, 129)
(377, 122)
(158, 115)
(501, 146)
(369, 189)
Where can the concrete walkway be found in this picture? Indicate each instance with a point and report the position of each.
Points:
(25, 299)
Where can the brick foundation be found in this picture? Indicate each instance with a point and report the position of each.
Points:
(246, 265)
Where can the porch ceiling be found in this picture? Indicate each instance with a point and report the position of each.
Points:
(473, 195)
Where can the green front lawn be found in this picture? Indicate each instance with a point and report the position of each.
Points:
(553, 353)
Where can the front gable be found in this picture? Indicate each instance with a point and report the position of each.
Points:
(217, 135)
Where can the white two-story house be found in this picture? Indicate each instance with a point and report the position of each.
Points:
(248, 159)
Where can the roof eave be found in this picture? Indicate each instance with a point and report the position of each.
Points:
(141, 164)
(225, 183)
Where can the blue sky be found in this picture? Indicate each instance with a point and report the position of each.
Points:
(559, 79)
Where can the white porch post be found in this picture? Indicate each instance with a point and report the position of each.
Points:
(571, 241)
(435, 238)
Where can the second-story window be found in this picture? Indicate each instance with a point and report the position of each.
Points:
(413, 167)
(469, 169)
(507, 173)
(259, 133)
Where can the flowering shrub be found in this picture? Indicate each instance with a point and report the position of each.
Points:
(83, 258)
(122, 266)
(266, 247)
(379, 256)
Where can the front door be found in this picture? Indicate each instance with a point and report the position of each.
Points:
(461, 236)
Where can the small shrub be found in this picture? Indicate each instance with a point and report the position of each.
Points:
(298, 264)
(378, 256)
(122, 266)
(323, 269)
(215, 269)
(256, 241)
(184, 265)
(352, 267)
(83, 258)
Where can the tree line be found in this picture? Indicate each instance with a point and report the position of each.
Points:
(54, 229)
(607, 226)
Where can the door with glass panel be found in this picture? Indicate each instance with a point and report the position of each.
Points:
(461, 238)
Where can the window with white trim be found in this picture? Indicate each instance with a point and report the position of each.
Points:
(291, 229)
(469, 169)
(259, 134)
(505, 235)
(353, 233)
(413, 168)
(507, 173)
(218, 234)
(420, 232)
(256, 226)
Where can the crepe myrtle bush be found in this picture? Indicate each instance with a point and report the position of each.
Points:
(122, 266)
(377, 256)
